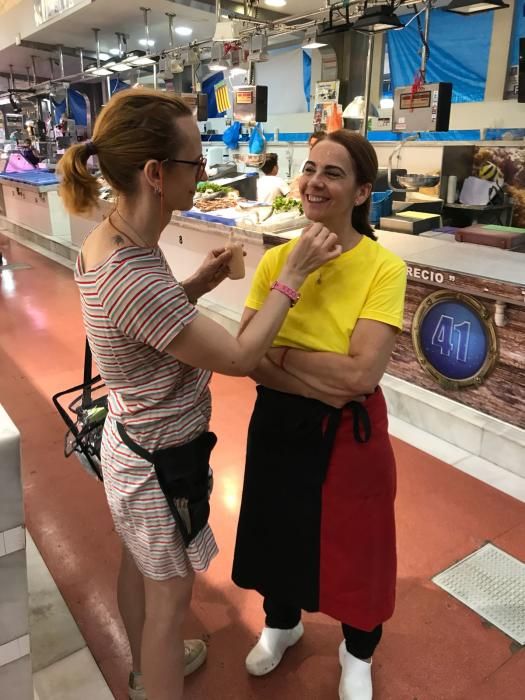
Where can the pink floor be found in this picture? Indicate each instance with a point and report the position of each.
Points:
(433, 648)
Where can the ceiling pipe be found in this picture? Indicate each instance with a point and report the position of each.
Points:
(28, 74)
(96, 32)
(33, 65)
(11, 83)
(146, 11)
(170, 17)
(61, 60)
(81, 56)
(52, 68)
(218, 10)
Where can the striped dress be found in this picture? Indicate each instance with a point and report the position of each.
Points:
(133, 308)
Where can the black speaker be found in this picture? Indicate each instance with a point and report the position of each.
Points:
(261, 103)
(521, 72)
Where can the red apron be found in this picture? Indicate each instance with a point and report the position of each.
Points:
(316, 527)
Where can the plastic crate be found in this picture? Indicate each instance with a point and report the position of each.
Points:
(381, 205)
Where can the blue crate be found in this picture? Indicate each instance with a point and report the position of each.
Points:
(381, 205)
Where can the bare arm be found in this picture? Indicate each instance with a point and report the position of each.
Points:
(207, 345)
(272, 376)
(359, 372)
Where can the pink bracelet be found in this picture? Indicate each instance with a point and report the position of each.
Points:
(292, 294)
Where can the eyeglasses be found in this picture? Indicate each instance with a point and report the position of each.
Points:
(200, 164)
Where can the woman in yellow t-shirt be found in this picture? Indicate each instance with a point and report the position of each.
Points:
(316, 530)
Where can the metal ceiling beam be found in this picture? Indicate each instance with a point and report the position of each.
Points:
(20, 77)
(229, 8)
(53, 48)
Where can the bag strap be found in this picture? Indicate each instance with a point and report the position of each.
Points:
(137, 449)
(89, 380)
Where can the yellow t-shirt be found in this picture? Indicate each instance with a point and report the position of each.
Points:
(365, 282)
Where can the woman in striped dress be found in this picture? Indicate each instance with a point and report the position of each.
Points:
(156, 353)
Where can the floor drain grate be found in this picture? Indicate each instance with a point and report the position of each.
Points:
(492, 583)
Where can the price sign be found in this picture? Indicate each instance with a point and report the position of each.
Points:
(454, 339)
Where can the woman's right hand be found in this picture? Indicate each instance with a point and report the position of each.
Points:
(317, 246)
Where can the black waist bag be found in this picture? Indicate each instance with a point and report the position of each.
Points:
(184, 477)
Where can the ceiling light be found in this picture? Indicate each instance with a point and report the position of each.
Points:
(104, 56)
(275, 3)
(114, 52)
(310, 40)
(146, 42)
(99, 71)
(120, 67)
(472, 7)
(183, 31)
(378, 18)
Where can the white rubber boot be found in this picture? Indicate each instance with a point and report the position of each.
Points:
(356, 677)
(269, 650)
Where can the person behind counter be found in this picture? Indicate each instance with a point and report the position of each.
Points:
(270, 185)
(29, 153)
(156, 353)
(316, 530)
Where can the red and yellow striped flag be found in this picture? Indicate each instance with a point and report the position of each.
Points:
(222, 97)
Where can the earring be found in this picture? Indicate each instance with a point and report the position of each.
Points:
(156, 189)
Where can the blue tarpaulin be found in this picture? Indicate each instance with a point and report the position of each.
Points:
(307, 77)
(208, 86)
(459, 53)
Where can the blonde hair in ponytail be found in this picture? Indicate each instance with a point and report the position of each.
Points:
(78, 188)
(134, 127)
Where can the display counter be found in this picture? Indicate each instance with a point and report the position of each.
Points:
(477, 329)
(462, 342)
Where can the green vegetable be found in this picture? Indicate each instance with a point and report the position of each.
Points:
(212, 187)
(287, 204)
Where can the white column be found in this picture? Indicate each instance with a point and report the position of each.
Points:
(499, 53)
(16, 680)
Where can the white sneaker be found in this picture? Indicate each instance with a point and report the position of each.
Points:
(356, 677)
(269, 650)
(195, 653)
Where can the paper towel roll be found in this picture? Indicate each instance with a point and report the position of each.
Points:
(452, 186)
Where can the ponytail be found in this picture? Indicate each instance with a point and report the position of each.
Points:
(365, 163)
(360, 220)
(78, 188)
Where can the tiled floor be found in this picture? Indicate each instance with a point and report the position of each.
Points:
(434, 648)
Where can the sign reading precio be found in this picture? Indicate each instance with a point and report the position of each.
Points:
(426, 275)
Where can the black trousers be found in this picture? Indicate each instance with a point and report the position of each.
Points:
(359, 643)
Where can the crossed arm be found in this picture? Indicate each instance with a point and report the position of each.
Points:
(329, 377)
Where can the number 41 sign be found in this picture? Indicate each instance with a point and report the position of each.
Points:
(454, 339)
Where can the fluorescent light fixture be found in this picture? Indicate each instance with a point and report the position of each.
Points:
(114, 52)
(310, 40)
(275, 3)
(378, 18)
(120, 67)
(183, 31)
(139, 58)
(100, 71)
(104, 56)
(473, 7)
(145, 42)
